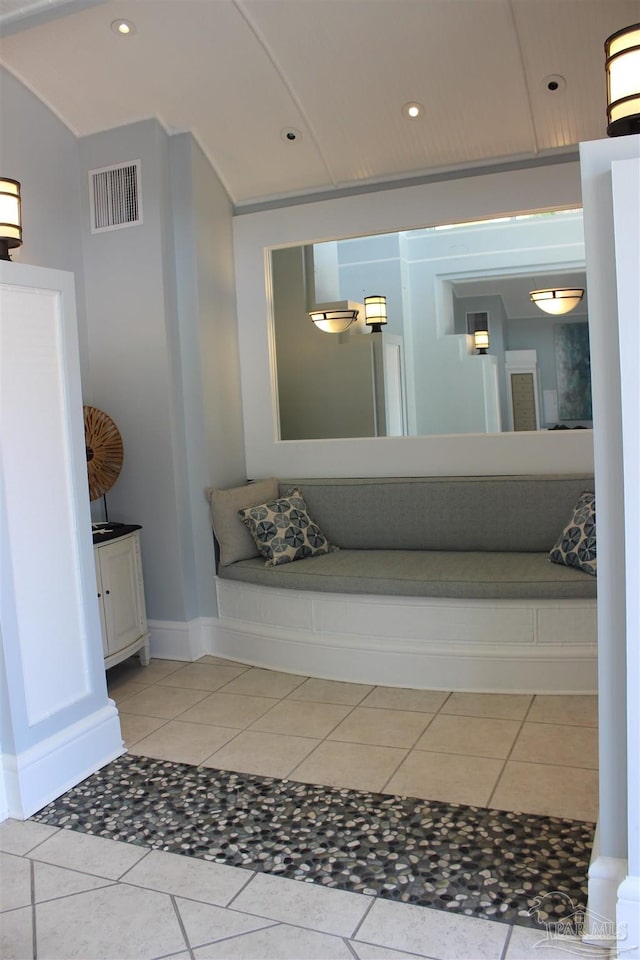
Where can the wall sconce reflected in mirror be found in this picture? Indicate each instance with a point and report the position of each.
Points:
(622, 67)
(562, 300)
(333, 321)
(375, 313)
(10, 217)
(481, 340)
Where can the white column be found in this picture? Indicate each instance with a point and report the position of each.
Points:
(611, 276)
(626, 215)
(57, 723)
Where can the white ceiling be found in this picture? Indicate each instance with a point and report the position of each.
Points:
(238, 72)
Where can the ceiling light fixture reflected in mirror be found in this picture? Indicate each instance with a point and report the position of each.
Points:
(562, 300)
(334, 321)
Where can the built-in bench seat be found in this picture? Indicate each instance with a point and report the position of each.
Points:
(423, 573)
(437, 582)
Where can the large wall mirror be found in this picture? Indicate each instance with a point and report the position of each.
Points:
(433, 251)
(422, 374)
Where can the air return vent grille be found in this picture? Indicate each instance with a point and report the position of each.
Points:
(116, 201)
(477, 321)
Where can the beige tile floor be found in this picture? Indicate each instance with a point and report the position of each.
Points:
(68, 895)
(532, 754)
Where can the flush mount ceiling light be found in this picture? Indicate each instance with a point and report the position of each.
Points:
(124, 28)
(622, 50)
(10, 217)
(412, 110)
(333, 321)
(561, 300)
(375, 313)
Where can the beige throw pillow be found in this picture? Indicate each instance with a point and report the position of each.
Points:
(234, 540)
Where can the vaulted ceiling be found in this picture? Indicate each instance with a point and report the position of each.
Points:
(499, 80)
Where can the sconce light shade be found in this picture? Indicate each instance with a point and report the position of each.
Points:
(375, 313)
(622, 50)
(562, 300)
(10, 217)
(481, 340)
(333, 321)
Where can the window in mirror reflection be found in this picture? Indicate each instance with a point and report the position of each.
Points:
(422, 374)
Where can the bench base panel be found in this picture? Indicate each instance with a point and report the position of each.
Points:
(504, 646)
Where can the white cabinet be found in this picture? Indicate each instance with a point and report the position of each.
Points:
(121, 599)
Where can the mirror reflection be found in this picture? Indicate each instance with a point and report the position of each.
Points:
(424, 373)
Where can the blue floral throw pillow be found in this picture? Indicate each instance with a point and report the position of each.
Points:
(576, 546)
(284, 531)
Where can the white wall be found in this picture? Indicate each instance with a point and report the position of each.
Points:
(58, 725)
(610, 232)
(470, 198)
(625, 176)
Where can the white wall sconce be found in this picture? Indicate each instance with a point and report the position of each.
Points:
(10, 216)
(622, 67)
(375, 313)
(481, 340)
(334, 321)
(562, 300)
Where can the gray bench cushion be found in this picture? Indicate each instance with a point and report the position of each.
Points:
(414, 573)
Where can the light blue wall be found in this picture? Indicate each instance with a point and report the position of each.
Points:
(39, 151)
(212, 436)
(157, 327)
(133, 357)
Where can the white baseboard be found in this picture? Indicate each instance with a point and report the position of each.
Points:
(628, 918)
(174, 640)
(37, 776)
(605, 876)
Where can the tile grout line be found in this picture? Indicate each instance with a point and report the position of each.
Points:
(252, 875)
(507, 941)
(347, 943)
(408, 753)
(34, 937)
(183, 929)
(513, 745)
(364, 916)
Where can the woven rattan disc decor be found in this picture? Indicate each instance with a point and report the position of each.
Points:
(105, 452)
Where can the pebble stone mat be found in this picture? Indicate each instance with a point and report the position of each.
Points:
(469, 860)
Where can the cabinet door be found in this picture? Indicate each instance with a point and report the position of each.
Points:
(123, 613)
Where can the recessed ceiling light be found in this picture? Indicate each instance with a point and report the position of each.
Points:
(123, 28)
(412, 110)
